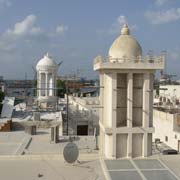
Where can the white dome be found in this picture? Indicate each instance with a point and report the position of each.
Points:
(46, 62)
(125, 46)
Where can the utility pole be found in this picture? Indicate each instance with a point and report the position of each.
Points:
(67, 107)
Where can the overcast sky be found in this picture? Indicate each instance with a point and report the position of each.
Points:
(76, 31)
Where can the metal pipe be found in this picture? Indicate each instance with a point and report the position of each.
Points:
(67, 107)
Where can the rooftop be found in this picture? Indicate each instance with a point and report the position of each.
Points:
(44, 159)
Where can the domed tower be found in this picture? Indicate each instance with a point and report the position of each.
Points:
(46, 82)
(126, 98)
(125, 47)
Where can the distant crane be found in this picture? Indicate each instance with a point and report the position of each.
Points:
(59, 64)
(34, 78)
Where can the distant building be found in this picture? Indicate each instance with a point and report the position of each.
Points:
(74, 84)
(167, 96)
(89, 91)
(69, 78)
(19, 88)
(126, 98)
(167, 127)
(2, 84)
(1, 78)
(171, 92)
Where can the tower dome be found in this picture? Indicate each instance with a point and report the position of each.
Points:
(46, 63)
(125, 46)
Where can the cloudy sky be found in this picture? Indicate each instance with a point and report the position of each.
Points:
(76, 31)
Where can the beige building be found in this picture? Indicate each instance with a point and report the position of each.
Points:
(126, 98)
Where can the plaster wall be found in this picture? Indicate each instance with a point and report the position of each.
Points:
(42, 84)
(108, 144)
(121, 145)
(108, 100)
(166, 126)
(137, 142)
(85, 111)
(121, 117)
(121, 99)
(149, 144)
(137, 99)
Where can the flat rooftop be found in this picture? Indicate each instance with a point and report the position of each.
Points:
(54, 168)
(136, 169)
(50, 170)
(41, 159)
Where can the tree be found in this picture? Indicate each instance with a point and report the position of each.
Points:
(1, 99)
(61, 88)
(35, 87)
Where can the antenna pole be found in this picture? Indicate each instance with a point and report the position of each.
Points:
(67, 107)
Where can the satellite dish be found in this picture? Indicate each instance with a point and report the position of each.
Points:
(70, 152)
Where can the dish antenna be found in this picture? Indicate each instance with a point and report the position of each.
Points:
(70, 153)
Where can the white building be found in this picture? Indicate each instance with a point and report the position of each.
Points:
(167, 128)
(126, 98)
(85, 112)
(170, 92)
(46, 82)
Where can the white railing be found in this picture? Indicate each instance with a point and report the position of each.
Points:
(146, 59)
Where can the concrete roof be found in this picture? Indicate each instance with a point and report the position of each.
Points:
(43, 160)
(44, 169)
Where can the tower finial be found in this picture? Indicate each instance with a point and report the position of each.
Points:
(125, 29)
